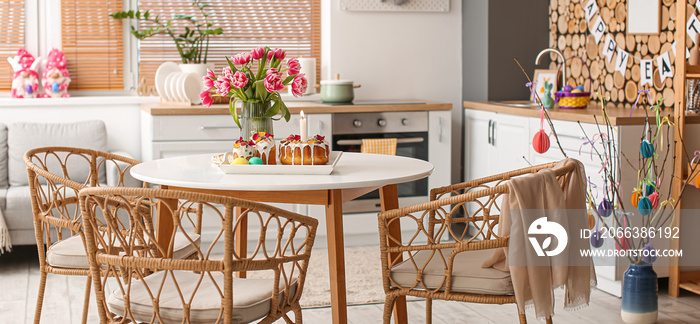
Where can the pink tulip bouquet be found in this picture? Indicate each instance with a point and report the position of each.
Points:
(256, 77)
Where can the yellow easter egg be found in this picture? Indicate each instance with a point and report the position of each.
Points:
(240, 161)
(576, 91)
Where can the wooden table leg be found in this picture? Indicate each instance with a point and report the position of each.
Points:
(164, 223)
(241, 237)
(336, 256)
(389, 197)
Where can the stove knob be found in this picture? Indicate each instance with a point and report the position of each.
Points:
(381, 122)
(357, 123)
(405, 122)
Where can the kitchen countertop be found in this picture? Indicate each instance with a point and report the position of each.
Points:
(618, 115)
(309, 107)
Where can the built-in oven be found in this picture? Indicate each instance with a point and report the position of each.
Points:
(411, 132)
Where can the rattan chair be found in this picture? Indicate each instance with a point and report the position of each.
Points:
(440, 262)
(56, 174)
(160, 289)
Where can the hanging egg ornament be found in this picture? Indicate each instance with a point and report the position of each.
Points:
(645, 206)
(605, 208)
(648, 254)
(697, 181)
(654, 198)
(635, 198)
(597, 239)
(650, 188)
(646, 149)
(540, 142)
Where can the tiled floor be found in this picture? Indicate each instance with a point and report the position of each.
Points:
(19, 277)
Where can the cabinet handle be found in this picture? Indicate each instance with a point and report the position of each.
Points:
(493, 133)
(440, 133)
(488, 133)
(405, 140)
(579, 137)
(215, 127)
(320, 127)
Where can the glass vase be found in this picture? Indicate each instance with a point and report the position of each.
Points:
(640, 299)
(252, 120)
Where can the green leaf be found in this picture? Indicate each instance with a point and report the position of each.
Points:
(285, 110)
(138, 14)
(274, 110)
(260, 89)
(146, 14)
(288, 79)
(130, 14)
(249, 92)
(232, 110)
(233, 67)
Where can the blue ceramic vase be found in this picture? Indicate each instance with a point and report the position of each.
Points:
(640, 300)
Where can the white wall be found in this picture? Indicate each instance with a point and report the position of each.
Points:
(121, 116)
(400, 55)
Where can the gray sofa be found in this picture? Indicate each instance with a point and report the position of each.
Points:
(17, 138)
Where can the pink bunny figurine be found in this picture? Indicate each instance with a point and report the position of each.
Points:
(25, 81)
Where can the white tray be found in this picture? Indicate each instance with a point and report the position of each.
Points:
(327, 168)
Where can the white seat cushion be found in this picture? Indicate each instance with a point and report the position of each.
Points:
(467, 274)
(251, 297)
(70, 252)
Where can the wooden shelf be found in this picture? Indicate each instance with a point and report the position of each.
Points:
(692, 286)
(692, 71)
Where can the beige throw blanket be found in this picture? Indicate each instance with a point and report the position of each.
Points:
(5, 244)
(535, 277)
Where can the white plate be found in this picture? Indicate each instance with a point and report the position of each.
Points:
(177, 86)
(168, 88)
(192, 86)
(276, 168)
(163, 71)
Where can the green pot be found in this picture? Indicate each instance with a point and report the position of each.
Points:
(337, 91)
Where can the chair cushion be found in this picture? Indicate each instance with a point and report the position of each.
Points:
(251, 298)
(71, 253)
(467, 275)
(3, 156)
(22, 137)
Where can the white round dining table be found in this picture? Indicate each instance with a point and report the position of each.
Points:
(354, 175)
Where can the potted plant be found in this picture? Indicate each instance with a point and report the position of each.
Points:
(255, 78)
(192, 44)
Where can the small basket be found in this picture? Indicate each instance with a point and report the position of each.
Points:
(580, 100)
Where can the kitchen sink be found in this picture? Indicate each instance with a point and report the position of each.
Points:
(516, 103)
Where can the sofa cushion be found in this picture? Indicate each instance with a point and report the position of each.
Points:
(18, 208)
(3, 200)
(22, 137)
(3, 157)
(251, 297)
(71, 253)
(467, 274)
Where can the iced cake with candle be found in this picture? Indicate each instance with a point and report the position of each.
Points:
(294, 151)
(264, 147)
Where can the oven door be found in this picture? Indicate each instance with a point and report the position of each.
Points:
(410, 144)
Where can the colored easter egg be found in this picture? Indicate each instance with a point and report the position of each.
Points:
(654, 198)
(596, 239)
(576, 91)
(605, 208)
(623, 242)
(645, 206)
(240, 161)
(29, 89)
(55, 87)
(646, 149)
(650, 188)
(648, 254)
(568, 88)
(540, 142)
(255, 160)
(580, 88)
(635, 198)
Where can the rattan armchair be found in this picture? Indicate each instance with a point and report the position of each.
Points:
(440, 262)
(56, 174)
(160, 289)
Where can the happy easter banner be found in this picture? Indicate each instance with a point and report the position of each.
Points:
(619, 64)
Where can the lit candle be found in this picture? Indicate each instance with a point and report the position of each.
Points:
(302, 127)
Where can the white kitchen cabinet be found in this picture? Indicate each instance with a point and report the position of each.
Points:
(494, 143)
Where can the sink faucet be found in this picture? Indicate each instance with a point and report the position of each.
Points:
(563, 63)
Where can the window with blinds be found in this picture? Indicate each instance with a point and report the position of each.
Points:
(292, 25)
(93, 44)
(11, 37)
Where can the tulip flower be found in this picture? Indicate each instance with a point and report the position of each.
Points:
(294, 66)
(257, 53)
(239, 80)
(299, 85)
